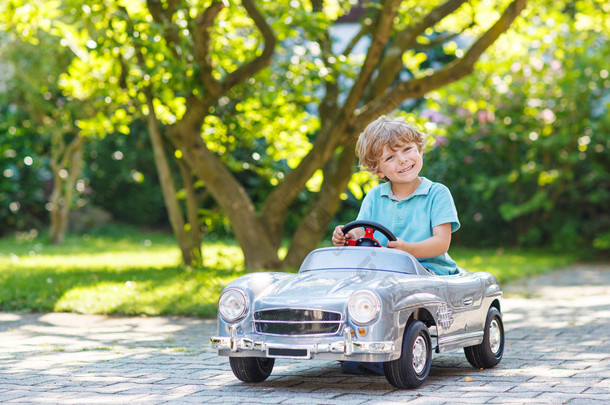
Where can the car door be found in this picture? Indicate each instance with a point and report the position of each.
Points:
(459, 321)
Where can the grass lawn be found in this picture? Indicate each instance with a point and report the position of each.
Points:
(130, 272)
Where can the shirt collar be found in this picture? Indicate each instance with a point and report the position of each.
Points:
(423, 189)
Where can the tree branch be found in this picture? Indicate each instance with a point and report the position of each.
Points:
(163, 16)
(330, 135)
(442, 38)
(454, 71)
(365, 29)
(391, 64)
(283, 194)
(202, 38)
(75, 145)
(329, 104)
(380, 38)
(337, 174)
(264, 59)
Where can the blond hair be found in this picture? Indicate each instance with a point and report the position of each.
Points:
(393, 132)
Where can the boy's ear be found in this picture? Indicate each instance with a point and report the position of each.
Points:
(380, 175)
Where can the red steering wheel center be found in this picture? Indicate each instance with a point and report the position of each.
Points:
(369, 229)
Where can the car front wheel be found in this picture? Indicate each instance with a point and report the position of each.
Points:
(411, 369)
(489, 353)
(251, 369)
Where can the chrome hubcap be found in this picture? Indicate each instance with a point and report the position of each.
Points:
(495, 338)
(419, 354)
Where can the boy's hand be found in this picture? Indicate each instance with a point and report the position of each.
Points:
(339, 237)
(397, 244)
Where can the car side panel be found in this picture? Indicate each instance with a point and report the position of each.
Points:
(468, 306)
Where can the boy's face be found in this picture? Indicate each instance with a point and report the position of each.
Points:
(401, 165)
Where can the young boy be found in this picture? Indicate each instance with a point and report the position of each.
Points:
(420, 213)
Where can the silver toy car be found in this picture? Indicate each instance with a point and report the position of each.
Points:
(361, 303)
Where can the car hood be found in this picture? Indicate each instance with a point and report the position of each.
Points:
(317, 287)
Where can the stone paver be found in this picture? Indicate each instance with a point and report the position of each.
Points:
(558, 352)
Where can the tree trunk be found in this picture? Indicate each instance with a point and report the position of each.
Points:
(191, 250)
(337, 174)
(274, 211)
(193, 226)
(66, 164)
(250, 232)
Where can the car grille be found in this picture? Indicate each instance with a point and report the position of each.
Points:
(297, 322)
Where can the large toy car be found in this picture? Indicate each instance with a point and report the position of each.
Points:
(360, 303)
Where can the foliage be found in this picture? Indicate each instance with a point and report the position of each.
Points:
(31, 109)
(47, 135)
(523, 143)
(119, 270)
(122, 179)
(279, 133)
(24, 186)
(602, 242)
(195, 70)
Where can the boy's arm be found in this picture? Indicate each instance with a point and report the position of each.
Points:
(339, 238)
(436, 245)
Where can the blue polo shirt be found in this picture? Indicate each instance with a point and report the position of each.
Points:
(413, 218)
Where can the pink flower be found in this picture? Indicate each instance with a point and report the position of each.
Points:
(435, 116)
(547, 116)
(555, 65)
(441, 141)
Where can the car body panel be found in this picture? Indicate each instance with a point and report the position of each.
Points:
(306, 316)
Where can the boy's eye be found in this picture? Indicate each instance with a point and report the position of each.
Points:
(407, 148)
(389, 158)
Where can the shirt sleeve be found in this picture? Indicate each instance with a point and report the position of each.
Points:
(443, 208)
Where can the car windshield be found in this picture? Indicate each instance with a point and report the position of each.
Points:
(361, 258)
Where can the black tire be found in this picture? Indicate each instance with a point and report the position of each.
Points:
(489, 353)
(411, 369)
(251, 369)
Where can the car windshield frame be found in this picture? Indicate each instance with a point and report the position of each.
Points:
(358, 258)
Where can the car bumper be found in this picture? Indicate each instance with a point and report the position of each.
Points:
(339, 348)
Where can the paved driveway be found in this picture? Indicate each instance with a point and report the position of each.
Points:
(558, 351)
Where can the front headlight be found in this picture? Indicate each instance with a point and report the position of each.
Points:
(363, 307)
(232, 305)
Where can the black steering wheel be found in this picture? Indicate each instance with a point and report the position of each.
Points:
(369, 228)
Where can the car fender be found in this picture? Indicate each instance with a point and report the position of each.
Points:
(254, 284)
(419, 306)
(493, 290)
(417, 300)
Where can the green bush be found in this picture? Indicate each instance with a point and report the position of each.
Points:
(123, 179)
(528, 162)
(26, 180)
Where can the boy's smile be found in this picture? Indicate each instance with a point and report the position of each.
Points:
(401, 166)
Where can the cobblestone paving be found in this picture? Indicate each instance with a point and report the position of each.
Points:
(558, 351)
